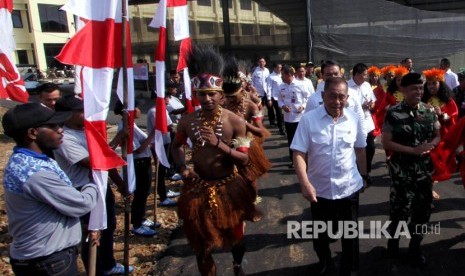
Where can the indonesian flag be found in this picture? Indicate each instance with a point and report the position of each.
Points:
(181, 32)
(161, 123)
(11, 84)
(97, 48)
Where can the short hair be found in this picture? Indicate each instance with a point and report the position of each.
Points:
(261, 57)
(334, 81)
(446, 62)
(287, 69)
(48, 87)
(275, 64)
(329, 63)
(359, 68)
(173, 72)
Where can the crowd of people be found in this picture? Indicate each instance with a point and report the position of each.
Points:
(330, 123)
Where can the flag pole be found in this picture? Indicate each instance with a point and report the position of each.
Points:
(127, 199)
(157, 167)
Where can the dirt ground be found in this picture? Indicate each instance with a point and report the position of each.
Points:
(143, 251)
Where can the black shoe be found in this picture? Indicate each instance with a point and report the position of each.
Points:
(282, 132)
(291, 166)
(323, 266)
(418, 261)
(393, 248)
(368, 180)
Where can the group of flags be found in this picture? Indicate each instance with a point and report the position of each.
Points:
(96, 51)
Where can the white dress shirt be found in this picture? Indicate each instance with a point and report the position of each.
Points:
(331, 159)
(365, 94)
(293, 95)
(273, 82)
(259, 77)
(451, 79)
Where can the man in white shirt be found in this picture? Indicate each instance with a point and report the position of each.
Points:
(329, 69)
(274, 80)
(259, 76)
(307, 83)
(328, 146)
(292, 98)
(452, 79)
(367, 99)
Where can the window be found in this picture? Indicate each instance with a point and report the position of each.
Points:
(265, 30)
(16, 18)
(246, 5)
(229, 3)
(206, 27)
(247, 29)
(52, 20)
(206, 3)
(51, 50)
(22, 57)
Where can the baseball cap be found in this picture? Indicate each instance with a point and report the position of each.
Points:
(69, 103)
(309, 64)
(31, 115)
(411, 78)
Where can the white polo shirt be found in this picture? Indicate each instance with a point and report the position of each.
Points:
(292, 95)
(259, 77)
(273, 82)
(365, 94)
(451, 79)
(331, 161)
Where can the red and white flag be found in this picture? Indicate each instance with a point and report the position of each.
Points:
(181, 32)
(11, 84)
(97, 48)
(161, 122)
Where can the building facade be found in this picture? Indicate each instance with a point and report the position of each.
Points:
(41, 29)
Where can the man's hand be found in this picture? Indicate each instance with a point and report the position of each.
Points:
(268, 103)
(286, 109)
(94, 238)
(309, 192)
(423, 149)
(300, 109)
(188, 173)
(209, 136)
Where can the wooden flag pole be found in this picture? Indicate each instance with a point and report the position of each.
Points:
(155, 185)
(127, 199)
(92, 256)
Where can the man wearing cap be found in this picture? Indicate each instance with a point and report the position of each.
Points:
(410, 132)
(42, 206)
(73, 158)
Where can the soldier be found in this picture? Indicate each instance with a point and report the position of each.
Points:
(410, 132)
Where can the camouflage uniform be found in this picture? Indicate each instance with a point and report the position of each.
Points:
(411, 187)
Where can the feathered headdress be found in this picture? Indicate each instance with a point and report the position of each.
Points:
(232, 81)
(388, 69)
(434, 74)
(206, 65)
(401, 71)
(373, 70)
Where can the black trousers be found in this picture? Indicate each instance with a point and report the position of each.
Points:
(278, 113)
(370, 149)
(143, 170)
(271, 115)
(290, 129)
(345, 209)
